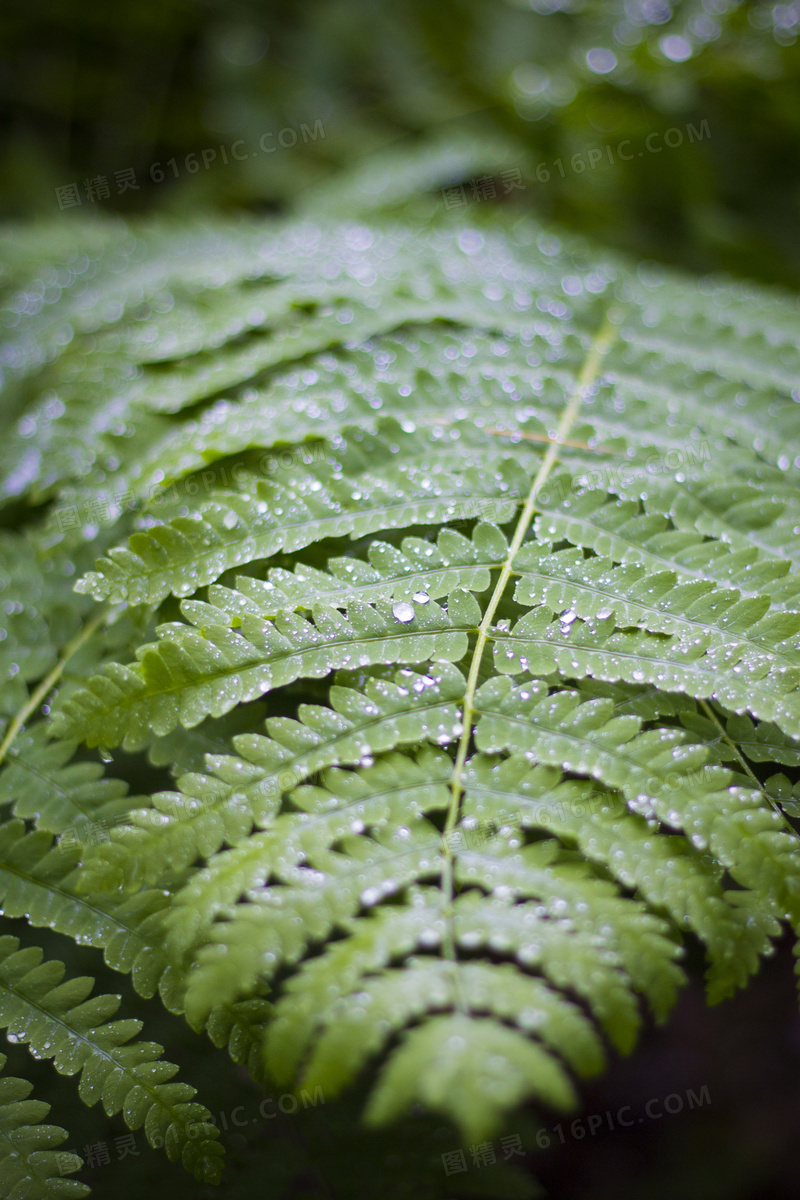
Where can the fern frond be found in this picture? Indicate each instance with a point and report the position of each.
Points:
(620, 531)
(226, 656)
(745, 514)
(30, 1167)
(569, 579)
(232, 528)
(59, 1021)
(661, 773)
(42, 784)
(424, 364)
(760, 742)
(645, 948)
(664, 869)
(467, 622)
(352, 971)
(279, 923)
(184, 751)
(573, 961)
(673, 662)
(436, 1064)
(417, 567)
(37, 615)
(38, 880)
(391, 1001)
(245, 790)
(394, 788)
(742, 342)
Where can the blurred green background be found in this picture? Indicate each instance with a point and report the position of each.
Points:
(670, 130)
(91, 89)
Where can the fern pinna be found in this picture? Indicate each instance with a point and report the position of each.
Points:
(454, 578)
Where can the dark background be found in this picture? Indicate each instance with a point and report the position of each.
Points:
(89, 89)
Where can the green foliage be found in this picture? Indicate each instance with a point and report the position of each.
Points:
(450, 677)
(59, 1021)
(602, 143)
(29, 1168)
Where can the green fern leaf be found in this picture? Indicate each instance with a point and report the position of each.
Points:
(42, 783)
(466, 618)
(695, 665)
(59, 1021)
(245, 790)
(660, 773)
(221, 659)
(233, 528)
(30, 1167)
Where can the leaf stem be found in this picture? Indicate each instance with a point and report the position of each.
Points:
(50, 680)
(601, 343)
(744, 764)
(600, 346)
